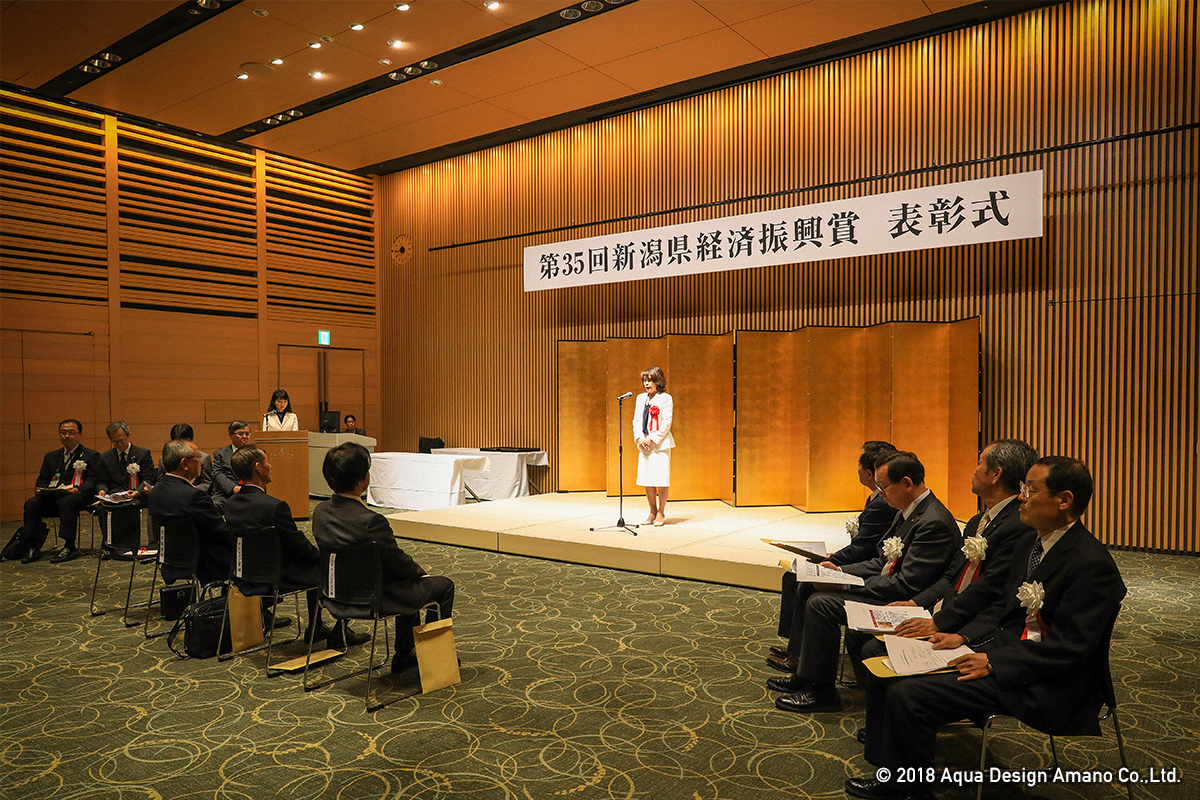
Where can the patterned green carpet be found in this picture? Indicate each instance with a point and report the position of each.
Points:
(578, 683)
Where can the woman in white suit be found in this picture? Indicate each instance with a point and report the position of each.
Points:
(652, 434)
(279, 416)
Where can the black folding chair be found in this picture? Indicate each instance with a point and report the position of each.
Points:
(353, 576)
(123, 533)
(257, 571)
(178, 551)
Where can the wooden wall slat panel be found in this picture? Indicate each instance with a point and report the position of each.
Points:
(1106, 292)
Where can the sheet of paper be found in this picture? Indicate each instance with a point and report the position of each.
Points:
(813, 551)
(810, 572)
(880, 619)
(917, 656)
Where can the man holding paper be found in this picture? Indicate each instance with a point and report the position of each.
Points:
(1044, 641)
(916, 551)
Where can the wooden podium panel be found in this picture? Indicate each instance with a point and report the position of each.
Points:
(701, 382)
(766, 388)
(582, 406)
(626, 360)
(288, 453)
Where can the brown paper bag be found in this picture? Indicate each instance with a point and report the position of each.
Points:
(245, 621)
(436, 655)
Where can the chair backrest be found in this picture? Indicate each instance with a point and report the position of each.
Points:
(1108, 694)
(179, 545)
(123, 527)
(426, 444)
(353, 575)
(257, 557)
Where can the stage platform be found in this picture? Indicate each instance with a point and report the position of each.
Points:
(702, 540)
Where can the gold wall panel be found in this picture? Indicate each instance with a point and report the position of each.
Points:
(1087, 335)
(626, 360)
(765, 385)
(797, 453)
(921, 400)
(701, 384)
(582, 403)
(836, 417)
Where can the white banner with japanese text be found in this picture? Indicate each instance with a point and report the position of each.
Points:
(970, 212)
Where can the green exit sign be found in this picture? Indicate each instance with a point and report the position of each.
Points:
(323, 337)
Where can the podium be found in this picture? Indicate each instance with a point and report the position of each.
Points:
(318, 445)
(288, 453)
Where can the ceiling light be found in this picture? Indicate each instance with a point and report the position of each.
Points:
(394, 42)
(387, 62)
(396, 76)
(271, 121)
(412, 70)
(428, 65)
(281, 117)
(436, 82)
(249, 130)
(570, 13)
(592, 5)
(614, 2)
(89, 68)
(113, 57)
(99, 62)
(316, 73)
(402, 6)
(357, 26)
(276, 61)
(491, 5)
(209, 4)
(241, 76)
(326, 39)
(294, 113)
(314, 45)
(261, 12)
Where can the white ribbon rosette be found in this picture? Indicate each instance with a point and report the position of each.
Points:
(79, 466)
(852, 526)
(133, 469)
(975, 549)
(893, 548)
(1031, 597)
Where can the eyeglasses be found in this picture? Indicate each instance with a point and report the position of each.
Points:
(883, 487)
(1027, 490)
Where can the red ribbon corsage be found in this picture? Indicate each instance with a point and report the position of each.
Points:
(654, 412)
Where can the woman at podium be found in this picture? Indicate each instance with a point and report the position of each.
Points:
(652, 434)
(279, 416)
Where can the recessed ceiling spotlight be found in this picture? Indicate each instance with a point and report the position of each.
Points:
(314, 45)
(436, 82)
(412, 70)
(89, 68)
(209, 4)
(241, 76)
(261, 12)
(249, 130)
(276, 61)
(99, 62)
(570, 13)
(294, 113)
(428, 65)
(281, 117)
(614, 2)
(113, 57)
(326, 39)
(592, 5)
(357, 26)
(401, 6)
(491, 5)
(387, 62)
(396, 76)
(316, 73)
(394, 43)
(271, 121)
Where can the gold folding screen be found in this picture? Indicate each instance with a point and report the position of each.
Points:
(1087, 336)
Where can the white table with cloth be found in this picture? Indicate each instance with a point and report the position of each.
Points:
(509, 475)
(420, 481)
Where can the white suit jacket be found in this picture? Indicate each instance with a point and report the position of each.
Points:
(290, 422)
(662, 438)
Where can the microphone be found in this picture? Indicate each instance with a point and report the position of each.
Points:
(625, 396)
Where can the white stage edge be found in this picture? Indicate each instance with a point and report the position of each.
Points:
(702, 540)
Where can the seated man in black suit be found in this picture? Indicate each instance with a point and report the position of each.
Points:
(344, 520)
(1044, 640)
(125, 466)
(868, 530)
(65, 485)
(204, 482)
(252, 509)
(920, 544)
(349, 423)
(177, 497)
(225, 483)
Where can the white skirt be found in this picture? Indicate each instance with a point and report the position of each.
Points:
(654, 469)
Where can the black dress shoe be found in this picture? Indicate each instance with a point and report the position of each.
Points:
(779, 652)
(271, 620)
(403, 663)
(31, 556)
(792, 683)
(810, 701)
(861, 736)
(869, 789)
(343, 637)
(68, 553)
(320, 633)
(785, 664)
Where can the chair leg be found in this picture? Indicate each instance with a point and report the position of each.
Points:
(1053, 755)
(95, 584)
(221, 637)
(149, 603)
(1121, 750)
(129, 596)
(987, 727)
(371, 661)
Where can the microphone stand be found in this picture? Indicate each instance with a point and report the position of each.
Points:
(621, 526)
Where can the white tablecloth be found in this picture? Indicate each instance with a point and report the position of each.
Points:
(420, 481)
(509, 475)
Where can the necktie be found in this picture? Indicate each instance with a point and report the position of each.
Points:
(124, 462)
(646, 420)
(1035, 558)
(984, 521)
